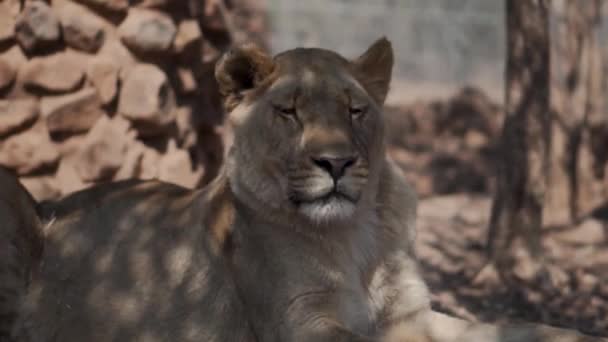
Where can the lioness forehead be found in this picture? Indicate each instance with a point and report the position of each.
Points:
(314, 59)
(313, 68)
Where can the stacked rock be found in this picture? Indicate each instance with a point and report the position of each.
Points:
(101, 90)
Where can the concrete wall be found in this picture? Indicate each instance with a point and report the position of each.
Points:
(440, 45)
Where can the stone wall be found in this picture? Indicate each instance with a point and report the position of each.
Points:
(100, 90)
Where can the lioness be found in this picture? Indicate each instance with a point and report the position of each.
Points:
(20, 247)
(306, 235)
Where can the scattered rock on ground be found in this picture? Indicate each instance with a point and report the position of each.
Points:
(118, 53)
(146, 30)
(69, 146)
(68, 178)
(104, 149)
(131, 166)
(188, 41)
(476, 140)
(186, 132)
(176, 167)
(57, 73)
(14, 57)
(149, 164)
(103, 73)
(186, 80)
(111, 5)
(153, 3)
(587, 282)
(12, 7)
(7, 74)
(590, 231)
(29, 151)
(81, 29)
(15, 114)
(7, 23)
(210, 54)
(470, 109)
(41, 188)
(146, 96)
(72, 113)
(37, 26)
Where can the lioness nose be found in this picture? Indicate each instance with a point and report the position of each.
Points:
(334, 166)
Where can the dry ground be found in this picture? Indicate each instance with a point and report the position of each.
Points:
(446, 149)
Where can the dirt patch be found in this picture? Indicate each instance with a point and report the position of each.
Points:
(451, 236)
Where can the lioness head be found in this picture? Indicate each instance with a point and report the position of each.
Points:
(308, 128)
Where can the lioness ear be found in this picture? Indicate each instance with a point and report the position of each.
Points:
(241, 68)
(373, 69)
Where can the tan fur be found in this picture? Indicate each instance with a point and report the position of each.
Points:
(266, 252)
(220, 215)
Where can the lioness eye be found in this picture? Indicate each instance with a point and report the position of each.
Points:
(357, 110)
(287, 111)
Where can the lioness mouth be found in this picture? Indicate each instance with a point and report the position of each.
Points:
(334, 194)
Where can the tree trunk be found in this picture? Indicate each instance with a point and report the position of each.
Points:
(526, 137)
(579, 134)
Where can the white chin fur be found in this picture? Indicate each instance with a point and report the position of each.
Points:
(331, 210)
